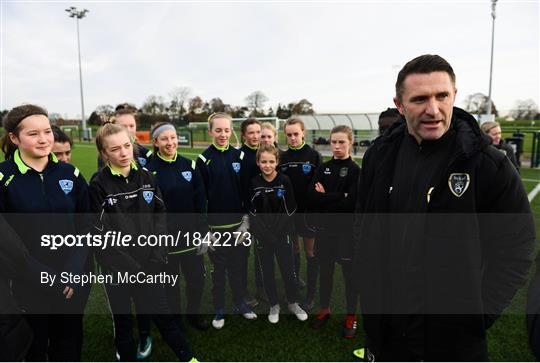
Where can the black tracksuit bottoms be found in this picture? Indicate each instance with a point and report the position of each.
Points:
(58, 336)
(191, 266)
(283, 250)
(328, 253)
(227, 264)
(149, 299)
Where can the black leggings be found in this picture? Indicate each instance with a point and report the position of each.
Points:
(283, 250)
(149, 299)
(327, 253)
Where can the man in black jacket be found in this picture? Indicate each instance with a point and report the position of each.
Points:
(443, 231)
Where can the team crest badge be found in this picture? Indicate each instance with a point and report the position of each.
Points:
(458, 183)
(306, 168)
(343, 172)
(142, 161)
(280, 193)
(66, 185)
(236, 167)
(148, 195)
(187, 175)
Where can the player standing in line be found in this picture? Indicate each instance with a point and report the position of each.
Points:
(183, 192)
(221, 168)
(332, 196)
(32, 182)
(125, 198)
(62, 144)
(125, 115)
(269, 136)
(251, 134)
(299, 163)
(272, 206)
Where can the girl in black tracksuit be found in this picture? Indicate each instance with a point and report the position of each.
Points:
(332, 196)
(39, 196)
(125, 198)
(299, 163)
(182, 186)
(272, 206)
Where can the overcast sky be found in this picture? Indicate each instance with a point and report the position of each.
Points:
(341, 56)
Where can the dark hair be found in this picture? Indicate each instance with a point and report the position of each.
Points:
(124, 108)
(423, 64)
(11, 124)
(60, 135)
(294, 120)
(387, 118)
(246, 123)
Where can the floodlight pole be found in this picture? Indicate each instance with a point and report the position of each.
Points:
(79, 14)
(493, 4)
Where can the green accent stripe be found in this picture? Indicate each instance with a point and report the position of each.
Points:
(76, 172)
(183, 251)
(223, 226)
(167, 160)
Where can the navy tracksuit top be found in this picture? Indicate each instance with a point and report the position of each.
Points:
(53, 201)
(182, 188)
(221, 169)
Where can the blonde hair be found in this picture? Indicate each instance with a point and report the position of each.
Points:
(216, 115)
(269, 126)
(343, 128)
(267, 149)
(488, 126)
(109, 129)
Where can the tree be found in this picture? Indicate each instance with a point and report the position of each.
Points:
(256, 101)
(477, 104)
(154, 105)
(179, 96)
(217, 105)
(303, 107)
(195, 105)
(525, 110)
(283, 112)
(101, 114)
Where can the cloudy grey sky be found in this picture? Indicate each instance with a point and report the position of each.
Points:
(342, 56)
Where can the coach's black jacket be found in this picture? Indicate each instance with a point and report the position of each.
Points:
(15, 334)
(470, 257)
(134, 206)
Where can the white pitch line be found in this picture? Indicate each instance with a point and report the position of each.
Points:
(531, 180)
(534, 192)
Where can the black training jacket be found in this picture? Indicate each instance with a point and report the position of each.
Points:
(331, 212)
(300, 165)
(271, 206)
(134, 206)
(475, 249)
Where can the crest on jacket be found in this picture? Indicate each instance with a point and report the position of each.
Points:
(280, 193)
(459, 183)
(142, 161)
(306, 168)
(236, 167)
(148, 195)
(66, 185)
(187, 175)
(343, 172)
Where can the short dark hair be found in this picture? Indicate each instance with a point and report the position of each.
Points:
(387, 118)
(426, 63)
(60, 135)
(246, 123)
(126, 109)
